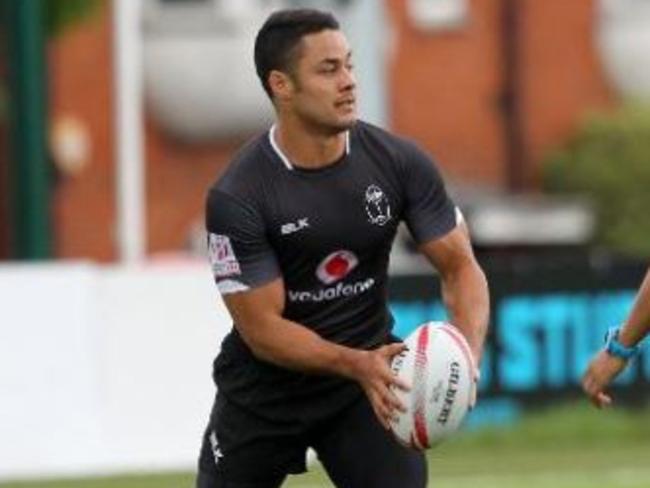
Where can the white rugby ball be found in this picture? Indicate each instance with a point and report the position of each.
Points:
(439, 368)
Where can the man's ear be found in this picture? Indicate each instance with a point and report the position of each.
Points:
(281, 84)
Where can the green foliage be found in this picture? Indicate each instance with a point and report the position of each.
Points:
(609, 161)
(60, 14)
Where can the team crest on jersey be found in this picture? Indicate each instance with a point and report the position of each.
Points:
(222, 256)
(377, 206)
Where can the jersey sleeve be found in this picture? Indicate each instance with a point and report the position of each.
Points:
(430, 213)
(238, 249)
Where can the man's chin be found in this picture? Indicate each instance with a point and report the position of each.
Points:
(342, 125)
(334, 125)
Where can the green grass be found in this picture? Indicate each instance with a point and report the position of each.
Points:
(174, 480)
(567, 447)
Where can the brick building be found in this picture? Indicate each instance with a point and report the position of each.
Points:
(488, 99)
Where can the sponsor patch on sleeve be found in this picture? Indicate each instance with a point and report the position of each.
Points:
(222, 256)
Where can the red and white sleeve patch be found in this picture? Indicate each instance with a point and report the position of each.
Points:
(222, 256)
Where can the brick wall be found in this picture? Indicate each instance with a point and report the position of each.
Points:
(445, 91)
(80, 87)
(447, 87)
(177, 175)
(178, 178)
(562, 77)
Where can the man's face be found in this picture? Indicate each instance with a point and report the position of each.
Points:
(324, 86)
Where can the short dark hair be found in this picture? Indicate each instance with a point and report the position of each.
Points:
(278, 38)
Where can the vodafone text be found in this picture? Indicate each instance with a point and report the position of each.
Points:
(331, 293)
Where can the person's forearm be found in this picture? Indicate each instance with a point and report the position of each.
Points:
(466, 296)
(294, 346)
(637, 325)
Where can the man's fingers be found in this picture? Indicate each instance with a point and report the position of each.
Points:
(595, 392)
(400, 383)
(391, 350)
(590, 385)
(384, 413)
(395, 402)
(603, 400)
(600, 372)
(381, 389)
(383, 420)
(472, 401)
(378, 408)
(597, 400)
(385, 404)
(477, 379)
(388, 375)
(389, 399)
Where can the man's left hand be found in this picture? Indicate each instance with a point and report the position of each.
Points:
(601, 371)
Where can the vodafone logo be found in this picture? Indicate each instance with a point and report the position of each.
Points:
(336, 266)
(333, 269)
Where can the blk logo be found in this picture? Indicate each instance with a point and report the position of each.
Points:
(292, 227)
(336, 266)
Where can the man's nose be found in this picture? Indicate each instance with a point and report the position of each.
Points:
(348, 81)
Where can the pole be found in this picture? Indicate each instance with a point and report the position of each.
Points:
(513, 105)
(130, 191)
(30, 172)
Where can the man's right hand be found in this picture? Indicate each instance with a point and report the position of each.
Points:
(374, 374)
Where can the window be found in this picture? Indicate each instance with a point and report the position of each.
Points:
(438, 14)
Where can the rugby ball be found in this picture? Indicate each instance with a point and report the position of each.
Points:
(439, 368)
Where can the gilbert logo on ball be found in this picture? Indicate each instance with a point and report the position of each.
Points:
(336, 266)
(438, 366)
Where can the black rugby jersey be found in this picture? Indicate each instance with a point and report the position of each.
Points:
(328, 233)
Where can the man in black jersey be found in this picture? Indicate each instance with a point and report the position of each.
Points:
(300, 228)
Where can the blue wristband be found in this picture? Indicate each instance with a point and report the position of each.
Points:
(616, 349)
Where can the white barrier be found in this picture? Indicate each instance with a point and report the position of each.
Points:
(105, 369)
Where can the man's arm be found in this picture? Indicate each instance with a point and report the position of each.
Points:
(464, 287)
(637, 326)
(604, 367)
(257, 314)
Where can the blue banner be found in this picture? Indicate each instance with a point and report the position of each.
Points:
(545, 326)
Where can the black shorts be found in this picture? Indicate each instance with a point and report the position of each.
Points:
(241, 450)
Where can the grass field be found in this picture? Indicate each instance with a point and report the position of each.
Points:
(567, 447)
